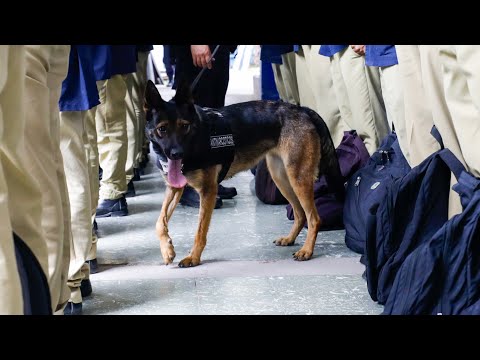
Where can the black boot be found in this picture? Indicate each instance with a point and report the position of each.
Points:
(130, 190)
(226, 192)
(191, 198)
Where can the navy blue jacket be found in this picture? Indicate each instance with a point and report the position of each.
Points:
(124, 59)
(79, 89)
(330, 50)
(273, 53)
(380, 55)
(144, 48)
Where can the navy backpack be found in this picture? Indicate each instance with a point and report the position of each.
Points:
(442, 275)
(367, 187)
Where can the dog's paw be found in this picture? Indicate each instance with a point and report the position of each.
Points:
(284, 241)
(168, 252)
(302, 255)
(189, 262)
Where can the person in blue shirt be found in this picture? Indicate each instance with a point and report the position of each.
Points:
(79, 94)
(358, 94)
(315, 88)
(282, 59)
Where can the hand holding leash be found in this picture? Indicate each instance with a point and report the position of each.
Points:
(196, 59)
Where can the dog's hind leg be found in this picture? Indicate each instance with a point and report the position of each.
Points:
(206, 185)
(279, 176)
(172, 197)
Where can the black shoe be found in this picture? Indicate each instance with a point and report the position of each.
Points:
(226, 192)
(100, 173)
(136, 174)
(130, 190)
(113, 208)
(86, 288)
(93, 266)
(191, 198)
(73, 309)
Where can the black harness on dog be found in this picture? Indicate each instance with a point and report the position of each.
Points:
(214, 145)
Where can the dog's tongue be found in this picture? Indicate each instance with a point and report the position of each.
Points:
(175, 176)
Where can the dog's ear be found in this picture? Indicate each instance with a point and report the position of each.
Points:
(153, 100)
(183, 96)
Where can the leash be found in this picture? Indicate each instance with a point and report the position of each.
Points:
(195, 82)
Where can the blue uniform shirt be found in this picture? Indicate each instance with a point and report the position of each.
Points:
(79, 89)
(380, 55)
(330, 50)
(102, 62)
(124, 59)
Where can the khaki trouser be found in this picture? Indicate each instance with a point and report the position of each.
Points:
(315, 88)
(91, 150)
(138, 94)
(133, 126)
(392, 92)
(20, 197)
(112, 142)
(363, 88)
(73, 137)
(461, 81)
(46, 68)
(418, 143)
(286, 79)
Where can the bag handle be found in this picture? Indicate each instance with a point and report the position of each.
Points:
(436, 134)
(452, 162)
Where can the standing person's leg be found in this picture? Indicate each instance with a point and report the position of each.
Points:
(111, 124)
(432, 78)
(279, 81)
(168, 64)
(418, 144)
(12, 122)
(72, 130)
(369, 118)
(91, 149)
(324, 94)
(289, 76)
(392, 92)
(305, 91)
(46, 67)
(132, 130)
(138, 91)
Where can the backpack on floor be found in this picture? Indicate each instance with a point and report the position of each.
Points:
(367, 188)
(442, 275)
(265, 187)
(352, 155)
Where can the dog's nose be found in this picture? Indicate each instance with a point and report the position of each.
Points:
(176, 154)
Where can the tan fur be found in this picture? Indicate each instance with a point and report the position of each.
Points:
(293, 164)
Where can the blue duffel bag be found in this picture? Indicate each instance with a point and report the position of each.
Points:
(367, 188)
(442, 276)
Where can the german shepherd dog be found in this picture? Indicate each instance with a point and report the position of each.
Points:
(200, 146)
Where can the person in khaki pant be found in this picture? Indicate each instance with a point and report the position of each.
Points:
(46, 67)
(315, 88)
(111, 126)
(358, 93)
(79, 94)
(20, 195)
(136, 83)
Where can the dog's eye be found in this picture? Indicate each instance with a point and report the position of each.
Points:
(162, 130)
(185, 127)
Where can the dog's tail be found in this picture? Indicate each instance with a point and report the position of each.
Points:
(329, 165)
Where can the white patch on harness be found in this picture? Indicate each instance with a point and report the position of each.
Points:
(221, 141)
(212, 111)
(375, 185)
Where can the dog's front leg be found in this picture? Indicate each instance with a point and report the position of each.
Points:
(172, 197)
(207, 188)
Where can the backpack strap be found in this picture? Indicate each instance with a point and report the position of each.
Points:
(452, 162)
(436, 134)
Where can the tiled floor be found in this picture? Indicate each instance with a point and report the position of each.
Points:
(242, 271)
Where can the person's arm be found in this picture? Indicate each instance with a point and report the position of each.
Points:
(201, 55)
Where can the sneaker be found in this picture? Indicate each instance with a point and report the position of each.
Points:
(191, 198)
(226, 192)
(117, 207)
(130, 190)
